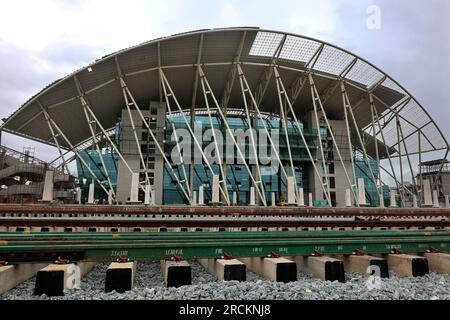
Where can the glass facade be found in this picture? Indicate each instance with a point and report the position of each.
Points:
(362, 171)
(92, 159)
(238, 178)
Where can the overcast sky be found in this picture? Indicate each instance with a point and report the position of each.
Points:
(41, 41)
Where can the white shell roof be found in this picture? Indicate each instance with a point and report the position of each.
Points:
(218, 50)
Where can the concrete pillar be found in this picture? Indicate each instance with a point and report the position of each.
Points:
(290, 190)
(47, 195)
(147, 194)
(13, 275)
(201, 196)
(382, 204)
(225, 270)
(91, 193)
(194, 198)
(393, 203)
(215, 190)
(437, 262)
(120, 276)
(152, 197)
(427, 197)
(55, 279)
(310, 200)
(435, 199)
(235, 199)
(79, 195)
(406, 265)
(301, 198)
(110, 197)
(362, 263)
(324, 268)
(414, 201)
(176, 273)
(361, 193)
(447, 202)
(275, 269)
(274, 200)
(252, 197)
(348, 198)
(134, 189)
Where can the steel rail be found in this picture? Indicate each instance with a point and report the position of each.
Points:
(60, 236)
(216, 248)
(217, 223)
(218, 211)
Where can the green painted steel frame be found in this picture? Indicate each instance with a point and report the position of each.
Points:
(199, 246)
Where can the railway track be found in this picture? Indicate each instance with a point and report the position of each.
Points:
(141, 218)
(21, 248)
(163, 224)
(33, 210)
(257, 252)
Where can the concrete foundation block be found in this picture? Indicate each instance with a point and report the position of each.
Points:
(273, 200)
(348, 198)
(301, 198)
(275, 269)
(91, 193)
(361, 193)
(407, 265)
(252, 197)
(176, 273)
(393, 201)
(47, 194)
(225, 270)
(438, 262)
(13, 275)
(201, 196)
(215, 190)
(120, 276)
(310, 200)
(147, 194)
(427, 195)
(324, 268)
(435, 199)
(291, 190)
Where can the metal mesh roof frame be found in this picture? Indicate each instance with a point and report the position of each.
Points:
(177, 55)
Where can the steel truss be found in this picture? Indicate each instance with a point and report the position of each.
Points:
(399, 151)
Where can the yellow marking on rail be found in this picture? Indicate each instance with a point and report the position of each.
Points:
(51, 269)
(115, 235)
(26, 232)
(428, 233)
(3, 243)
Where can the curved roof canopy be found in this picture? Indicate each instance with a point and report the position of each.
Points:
(218, 50)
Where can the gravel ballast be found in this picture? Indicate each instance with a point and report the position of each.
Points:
(149, 286)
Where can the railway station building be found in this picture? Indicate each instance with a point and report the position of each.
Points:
(235, 116)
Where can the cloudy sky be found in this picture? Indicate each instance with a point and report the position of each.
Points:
(41, 41)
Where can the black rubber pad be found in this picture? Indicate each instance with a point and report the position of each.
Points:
(334, 270)
(50, 283)
(419, 267)
(235, 272)
(286, 272)
(179, 276)
(119, 280)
